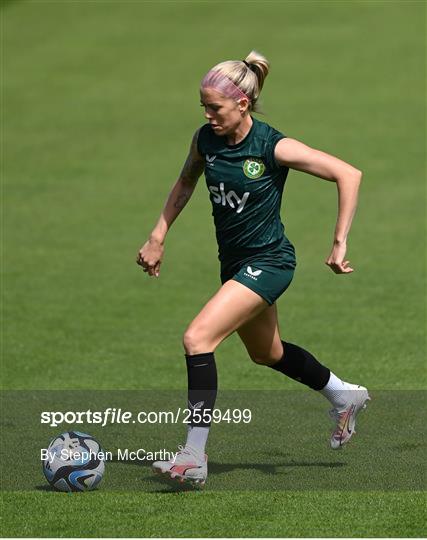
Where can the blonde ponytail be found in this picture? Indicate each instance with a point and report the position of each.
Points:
(248, 75)
(260, 66)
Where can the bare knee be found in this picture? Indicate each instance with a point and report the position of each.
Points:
(264, 360)
(266, 356)
(196, 340)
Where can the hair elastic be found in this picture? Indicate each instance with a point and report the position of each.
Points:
(216, 80)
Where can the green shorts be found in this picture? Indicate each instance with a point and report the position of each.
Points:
(267, 271)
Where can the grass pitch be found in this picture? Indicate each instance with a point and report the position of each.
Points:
(100, 101)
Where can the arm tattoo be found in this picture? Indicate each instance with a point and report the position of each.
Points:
(194, 164)
(192, 170)
(181, 201)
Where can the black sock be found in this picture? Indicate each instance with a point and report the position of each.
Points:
(202, 387)
(300, 365)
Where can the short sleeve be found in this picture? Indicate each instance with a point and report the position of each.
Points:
(273, 138)
(202, 139)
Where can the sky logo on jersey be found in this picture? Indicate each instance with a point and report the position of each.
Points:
(210, 159)
(253, 168)
(253, 274)
(221, 197)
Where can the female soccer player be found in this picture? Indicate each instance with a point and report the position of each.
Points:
(246, 163)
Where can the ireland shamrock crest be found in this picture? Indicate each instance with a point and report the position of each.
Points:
(253, 168)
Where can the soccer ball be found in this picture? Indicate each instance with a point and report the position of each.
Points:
(73, 462)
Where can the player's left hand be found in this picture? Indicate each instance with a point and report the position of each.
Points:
(336, 261)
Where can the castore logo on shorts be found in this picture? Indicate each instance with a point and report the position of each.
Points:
(253, 274)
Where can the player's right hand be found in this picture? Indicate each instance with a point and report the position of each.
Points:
(150, 257)
(336, 261)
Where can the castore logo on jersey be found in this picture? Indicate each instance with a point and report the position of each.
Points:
(210, 159)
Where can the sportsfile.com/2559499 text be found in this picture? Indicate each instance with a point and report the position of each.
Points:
(112, 415)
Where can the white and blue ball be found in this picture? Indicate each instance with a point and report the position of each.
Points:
(74, 462)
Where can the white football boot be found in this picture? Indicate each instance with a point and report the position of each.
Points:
(345, 416)
(188, 466)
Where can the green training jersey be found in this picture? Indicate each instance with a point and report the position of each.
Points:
(246, 186)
